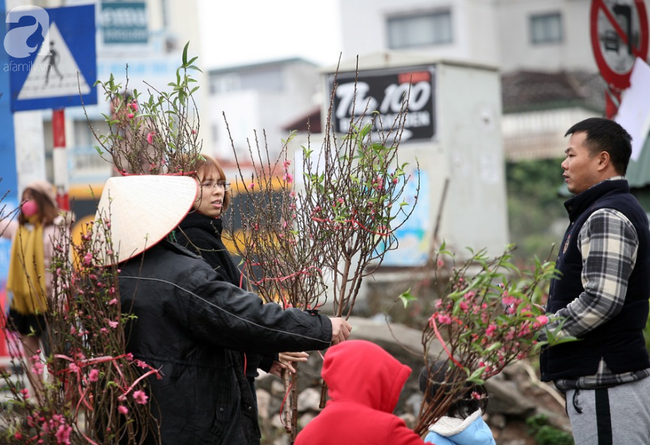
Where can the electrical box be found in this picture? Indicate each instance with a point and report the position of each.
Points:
(452, 130)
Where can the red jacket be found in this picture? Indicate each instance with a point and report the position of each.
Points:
(364, 384)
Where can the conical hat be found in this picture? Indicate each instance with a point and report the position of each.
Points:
(142, 210)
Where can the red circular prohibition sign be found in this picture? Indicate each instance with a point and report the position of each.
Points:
(614, 79)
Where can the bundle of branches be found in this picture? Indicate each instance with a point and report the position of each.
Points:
(87, 389)
(159, 135)
(486, 318)
(281, 259)
(354, 201)
(331, 219)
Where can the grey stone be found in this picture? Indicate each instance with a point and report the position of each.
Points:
(409, 419)
(414, 402)
(282, 440)
(506, 398)
(277, 388)
(263, 403)
(497, 420)
(308, 399)
(276, 422)
(305, 419)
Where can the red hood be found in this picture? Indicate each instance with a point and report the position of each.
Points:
(365, 373)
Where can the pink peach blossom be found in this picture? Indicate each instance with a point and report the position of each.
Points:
(38, 368)
(140, 397)
(63, 434)
(88, 258)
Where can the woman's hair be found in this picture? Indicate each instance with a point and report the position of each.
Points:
(469, 399)
(46, 210)
(205, 167)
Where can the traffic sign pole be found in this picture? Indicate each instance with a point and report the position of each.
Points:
(8, 171)
(60, 159)
(612, 101)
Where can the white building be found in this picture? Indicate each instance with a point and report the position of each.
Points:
(260, 98)
(460, 29)
(545, 35)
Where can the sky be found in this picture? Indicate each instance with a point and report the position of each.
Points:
(251, 31)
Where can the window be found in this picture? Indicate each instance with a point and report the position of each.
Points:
(432, 28)
(546, 28)
(224, 83)
(264, 79)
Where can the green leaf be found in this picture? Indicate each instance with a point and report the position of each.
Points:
(475, 377)
(566, 339)
(493, 346)
(407, 297)
(364, 131)
(185, 53)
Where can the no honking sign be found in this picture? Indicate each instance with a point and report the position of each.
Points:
(619, 34)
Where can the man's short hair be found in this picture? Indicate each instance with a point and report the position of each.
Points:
(606, 135)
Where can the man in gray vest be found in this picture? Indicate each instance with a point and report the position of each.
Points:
(601, 295)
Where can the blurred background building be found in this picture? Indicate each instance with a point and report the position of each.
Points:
(265, 97)
(542, 48)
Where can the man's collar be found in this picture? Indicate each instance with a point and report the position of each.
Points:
(580, 202)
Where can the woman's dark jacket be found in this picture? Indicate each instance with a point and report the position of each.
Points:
(187, 321)
(201, 234)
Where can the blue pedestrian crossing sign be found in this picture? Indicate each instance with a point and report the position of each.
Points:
(53, 58)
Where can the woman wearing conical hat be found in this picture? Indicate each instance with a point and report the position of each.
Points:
(187, 321)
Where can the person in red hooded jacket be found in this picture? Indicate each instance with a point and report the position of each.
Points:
(364, 383)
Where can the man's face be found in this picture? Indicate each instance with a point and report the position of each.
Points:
(580, 166)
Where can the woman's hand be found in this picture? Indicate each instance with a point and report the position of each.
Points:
(286, 361)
